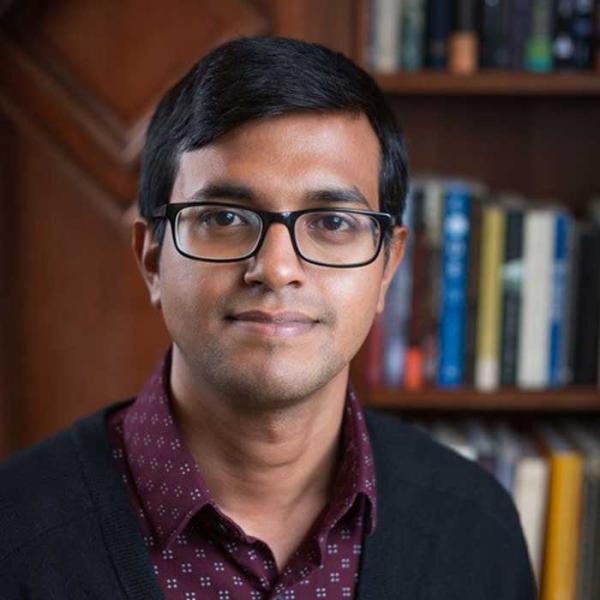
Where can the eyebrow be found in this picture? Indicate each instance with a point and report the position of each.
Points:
(216, 191)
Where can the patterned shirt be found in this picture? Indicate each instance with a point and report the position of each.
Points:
(197, 551)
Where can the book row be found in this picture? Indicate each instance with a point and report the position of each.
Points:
(553, 475)
(464, 35)
(492, 291)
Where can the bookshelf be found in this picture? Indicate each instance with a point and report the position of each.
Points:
(492, 83)
(538, 134)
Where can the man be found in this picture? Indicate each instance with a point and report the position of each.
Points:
(271, 197)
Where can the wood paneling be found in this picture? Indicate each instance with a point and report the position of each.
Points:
(78, 82)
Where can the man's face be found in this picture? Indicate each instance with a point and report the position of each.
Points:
(283, 164)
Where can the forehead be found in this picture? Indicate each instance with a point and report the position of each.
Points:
(283, 158)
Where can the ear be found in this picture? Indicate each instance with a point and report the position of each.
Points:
(396, 253)
(147, 254)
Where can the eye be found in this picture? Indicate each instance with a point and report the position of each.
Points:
(332, 222)
(222, 218)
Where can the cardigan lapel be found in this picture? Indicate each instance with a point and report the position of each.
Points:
(123, 540)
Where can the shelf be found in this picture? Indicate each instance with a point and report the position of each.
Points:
(567, 399)
(491, 83)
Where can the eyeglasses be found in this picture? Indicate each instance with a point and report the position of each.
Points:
(219, 232)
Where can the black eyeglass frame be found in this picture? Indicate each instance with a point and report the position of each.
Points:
(287, 218)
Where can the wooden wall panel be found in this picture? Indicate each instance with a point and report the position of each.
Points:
(78, 82)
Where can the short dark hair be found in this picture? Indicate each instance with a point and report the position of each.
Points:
(260, 77)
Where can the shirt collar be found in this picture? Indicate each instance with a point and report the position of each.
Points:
(171, 487)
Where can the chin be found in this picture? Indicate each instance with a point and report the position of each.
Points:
(271, 388)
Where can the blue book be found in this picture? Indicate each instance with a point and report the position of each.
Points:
(453, 304)
(559, 307)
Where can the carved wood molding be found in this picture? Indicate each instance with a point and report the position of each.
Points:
(88, 73)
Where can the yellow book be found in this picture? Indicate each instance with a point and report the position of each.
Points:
(489, 325)
(561, 554)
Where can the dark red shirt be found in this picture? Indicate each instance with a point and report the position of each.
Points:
(197, 551)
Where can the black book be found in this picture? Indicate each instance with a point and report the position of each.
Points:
(583, 34)
(519, 32)
(563, 41)
(439, 24)
(587, 315)
(512, 285)
(496, 34)
(473, 277)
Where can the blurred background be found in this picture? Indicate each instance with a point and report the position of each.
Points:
(495, 312)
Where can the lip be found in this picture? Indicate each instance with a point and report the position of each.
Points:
(277, 324)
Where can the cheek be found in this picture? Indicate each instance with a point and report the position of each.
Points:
(355, 303)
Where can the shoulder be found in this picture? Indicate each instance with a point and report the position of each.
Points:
(45, 487)
(406, 456)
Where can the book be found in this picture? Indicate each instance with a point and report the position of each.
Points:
(452, 435)
(512, 287)
(473, 280)
(414, 370)
(437, 30)
(588, 444)
(559, 301)
(587, 314)
(483, 443)
(385, 35)
(487, 371)
(583, 34)
(396, 316)
(495, 34)
(463, 42)
(530, 494)
(538, 57)
(433, 217)
(413, 35)
(563, 44)
(454, 283)
(534, 335)
(519, 32)
(561, 553)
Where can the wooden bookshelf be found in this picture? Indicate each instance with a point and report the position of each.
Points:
(571, 399)
(491, 83)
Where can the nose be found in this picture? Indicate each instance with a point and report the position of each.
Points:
(276, 264)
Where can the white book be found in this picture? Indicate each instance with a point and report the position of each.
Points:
(386, 18)
(534, 335)
(530, 493)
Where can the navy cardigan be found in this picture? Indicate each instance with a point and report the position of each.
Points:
(446, 529)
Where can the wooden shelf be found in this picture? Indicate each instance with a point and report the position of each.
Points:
(491, 83)
(566, 399)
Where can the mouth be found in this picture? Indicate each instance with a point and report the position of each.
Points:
(281, 324)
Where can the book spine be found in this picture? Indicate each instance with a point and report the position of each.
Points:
(397, 313)
(512, 285)
(439, 22)
(385, 32)
(413, 376)
(519, 32)
(588, 309)
(474, 254)
(454, 285)
(495, 35)
(563, 44)
(539, 43)
(558, 302)
(433, 205)
(532, 369)
(583, 34)
(487, 373)
(559, 579)
(463, 43)
(413, 35)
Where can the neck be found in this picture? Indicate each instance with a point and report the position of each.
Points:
(259, 462)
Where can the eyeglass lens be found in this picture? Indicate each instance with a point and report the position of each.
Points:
(224, 233)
